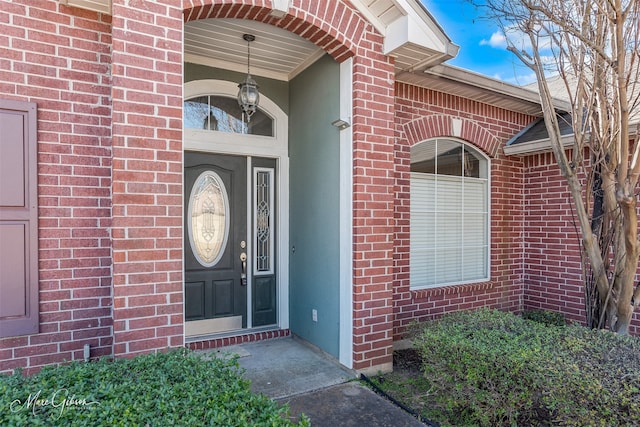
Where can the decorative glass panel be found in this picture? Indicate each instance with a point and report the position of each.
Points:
(208, 216)
(223, 114)
(263, 217)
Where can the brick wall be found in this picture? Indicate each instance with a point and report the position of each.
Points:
(552, 252)
(110, 163)
(59, 58)
(373, 213)
(147, 176)
(110, 160)
(553, 277)
(422, 114)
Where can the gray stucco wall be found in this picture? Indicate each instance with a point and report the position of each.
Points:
(315, 204)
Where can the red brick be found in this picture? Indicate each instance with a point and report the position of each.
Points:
(110, 94)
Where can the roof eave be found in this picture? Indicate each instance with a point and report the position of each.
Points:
(544, 144)
(537, 146)
(411, 34)
(480, 81)
(477, 87)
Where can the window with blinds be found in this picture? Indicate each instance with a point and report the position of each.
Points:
(449, 214)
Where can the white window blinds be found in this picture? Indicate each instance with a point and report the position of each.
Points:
(449, 230)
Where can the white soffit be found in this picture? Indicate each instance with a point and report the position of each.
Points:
(411, 34)
(102, 6)
(275, 53)
(468, 84)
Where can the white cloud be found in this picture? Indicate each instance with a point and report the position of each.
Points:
(497, 40)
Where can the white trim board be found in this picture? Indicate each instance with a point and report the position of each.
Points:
(346, 218)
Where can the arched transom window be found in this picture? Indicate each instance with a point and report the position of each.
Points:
(449, 214)
(223, 114)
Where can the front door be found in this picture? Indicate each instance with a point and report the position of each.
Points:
(230, 250)
(215, 243)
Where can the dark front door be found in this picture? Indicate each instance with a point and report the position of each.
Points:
(215, 243)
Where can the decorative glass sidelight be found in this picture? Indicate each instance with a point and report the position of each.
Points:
(263, 219)
(208, 218)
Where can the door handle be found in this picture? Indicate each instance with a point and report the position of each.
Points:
(243, 273)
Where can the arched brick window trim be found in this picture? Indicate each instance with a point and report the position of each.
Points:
(339, 32)
(449, 126)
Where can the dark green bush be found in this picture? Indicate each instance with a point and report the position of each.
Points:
(490, 368)
(173, 388)
(545, 317)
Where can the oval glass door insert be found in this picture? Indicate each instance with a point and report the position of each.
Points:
(208, 215)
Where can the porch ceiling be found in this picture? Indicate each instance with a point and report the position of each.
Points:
(411, 36)
(275, 53)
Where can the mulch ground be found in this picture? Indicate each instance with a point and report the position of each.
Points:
(407, 361)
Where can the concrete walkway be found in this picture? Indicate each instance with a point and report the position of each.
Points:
(294, 373)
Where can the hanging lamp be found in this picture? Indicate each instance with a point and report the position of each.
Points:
(248, 96)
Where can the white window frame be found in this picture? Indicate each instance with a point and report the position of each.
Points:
(487, 182)
(236, 143)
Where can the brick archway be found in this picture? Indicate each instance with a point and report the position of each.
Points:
(443, 125)
(341, 31)
(330, 24)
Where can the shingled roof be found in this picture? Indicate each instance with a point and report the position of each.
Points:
(537, 131)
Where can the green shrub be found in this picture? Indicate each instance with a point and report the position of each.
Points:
(490, 368)
(173, 388)
(550, 318)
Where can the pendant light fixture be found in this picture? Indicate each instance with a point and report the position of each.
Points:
(248, 96)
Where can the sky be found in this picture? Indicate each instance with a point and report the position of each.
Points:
(482, 45)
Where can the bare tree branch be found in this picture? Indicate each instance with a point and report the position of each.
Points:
(593, 47)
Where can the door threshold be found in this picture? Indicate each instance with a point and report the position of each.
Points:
(204, 342)
(231, 324)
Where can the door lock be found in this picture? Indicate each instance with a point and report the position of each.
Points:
(243, 274)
